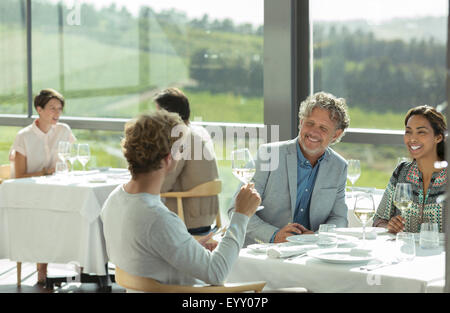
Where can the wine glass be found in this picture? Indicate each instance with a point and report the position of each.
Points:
(364, 210)
(353, 171)
(73, 155)
(403, 197)
(243, 166)
(84, 154)
(63, 150)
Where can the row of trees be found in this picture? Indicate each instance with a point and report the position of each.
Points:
(379, 74)
(369, 72)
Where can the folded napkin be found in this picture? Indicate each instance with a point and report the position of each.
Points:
(287, 251)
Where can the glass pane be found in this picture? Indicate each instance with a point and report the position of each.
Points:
(377, 161)
(383, 56)
(109, 58)
(13, 58)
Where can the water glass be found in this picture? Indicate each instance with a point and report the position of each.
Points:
(61, 169)
(429, 236)
(406, 245)
(327, 236)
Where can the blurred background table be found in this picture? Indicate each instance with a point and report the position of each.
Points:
(56, 219)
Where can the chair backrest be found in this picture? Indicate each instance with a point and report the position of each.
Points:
(5, 171)
(145, 284)
(211, 188)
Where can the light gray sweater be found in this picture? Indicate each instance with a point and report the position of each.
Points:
(144, 238)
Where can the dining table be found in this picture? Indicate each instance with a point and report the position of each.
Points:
(354, 266)
(56, 219)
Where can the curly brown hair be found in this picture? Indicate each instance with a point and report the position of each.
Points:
(148, 140)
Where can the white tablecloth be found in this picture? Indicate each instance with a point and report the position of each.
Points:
(318, 276)
(56, 220)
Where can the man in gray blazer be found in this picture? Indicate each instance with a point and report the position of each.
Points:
(302, 181)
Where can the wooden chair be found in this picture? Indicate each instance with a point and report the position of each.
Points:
(146, 284)
(5, 172)
(208, 189)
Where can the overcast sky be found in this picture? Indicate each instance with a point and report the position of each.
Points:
(252, 11)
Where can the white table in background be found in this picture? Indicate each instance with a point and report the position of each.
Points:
(315, 275)
(56, 220)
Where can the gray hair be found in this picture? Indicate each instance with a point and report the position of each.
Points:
(336, 106)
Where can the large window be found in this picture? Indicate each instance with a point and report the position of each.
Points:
(13, 60)
(383, 57)
(109, 58)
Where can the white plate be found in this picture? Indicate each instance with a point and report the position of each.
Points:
(263, 247)
(338, 256)
(313, 238)
(303, 239)
(260, 247)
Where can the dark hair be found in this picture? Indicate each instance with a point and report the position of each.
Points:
(174, 100)
(437, 122)
(45, 95)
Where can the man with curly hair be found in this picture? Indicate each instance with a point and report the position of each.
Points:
(143, 237)
(307, 187)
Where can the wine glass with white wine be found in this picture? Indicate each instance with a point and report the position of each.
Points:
(73, 155)
(63, 150)
(364, 210)
(403, 197)
(243, 166)
(353, 171)
(84, 154)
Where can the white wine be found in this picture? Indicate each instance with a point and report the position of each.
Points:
(245, 175)
(364, 215)
(403, 205)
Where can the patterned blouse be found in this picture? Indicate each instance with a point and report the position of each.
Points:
(425, 207)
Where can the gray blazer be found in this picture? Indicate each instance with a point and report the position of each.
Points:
(278, 190)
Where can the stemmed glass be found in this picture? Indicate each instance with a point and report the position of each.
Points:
(84, 154)
(243, 166)
(63, 150)
(403, 197)
(73, 155)
(364, 210)
(353, 171)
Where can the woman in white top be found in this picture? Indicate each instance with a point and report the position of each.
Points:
(143, 237)
(35, 149)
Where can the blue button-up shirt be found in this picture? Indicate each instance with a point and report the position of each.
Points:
(306, 177)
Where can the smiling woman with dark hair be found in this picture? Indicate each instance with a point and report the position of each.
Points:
(425, 131)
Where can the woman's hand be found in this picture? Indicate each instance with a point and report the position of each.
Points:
(396, 224)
